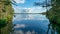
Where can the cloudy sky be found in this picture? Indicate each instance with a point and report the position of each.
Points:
(28, 6)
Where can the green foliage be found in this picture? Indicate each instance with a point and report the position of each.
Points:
(3, 10)
(3, 22)
(6, 16)
(7, 2)
(54, 13)
(58, 20)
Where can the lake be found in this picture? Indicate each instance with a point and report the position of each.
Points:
(30, 24)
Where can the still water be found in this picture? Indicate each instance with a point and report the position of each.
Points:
(30, 24)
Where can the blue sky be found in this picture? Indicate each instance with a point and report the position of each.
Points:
(28, 6)
(28, 3)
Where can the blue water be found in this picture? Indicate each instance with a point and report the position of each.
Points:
(30, 24)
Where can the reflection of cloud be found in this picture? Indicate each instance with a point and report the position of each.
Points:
(33, 32)
(20, 26)
(30, 17)
(18, 32)
(19, 1)
(28, 32)
(22, 32)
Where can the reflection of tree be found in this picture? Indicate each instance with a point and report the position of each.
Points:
(53, 28)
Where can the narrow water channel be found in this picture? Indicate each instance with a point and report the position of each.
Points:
(30, 24)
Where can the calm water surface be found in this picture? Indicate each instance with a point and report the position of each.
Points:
(30, 24)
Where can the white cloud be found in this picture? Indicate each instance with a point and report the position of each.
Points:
(30, 10)
(37, 10)
(19, 1)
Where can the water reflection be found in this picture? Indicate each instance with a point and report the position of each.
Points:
(29, 17)
(53, 28)
(30, 24)
(39, 24)
(34, 24)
